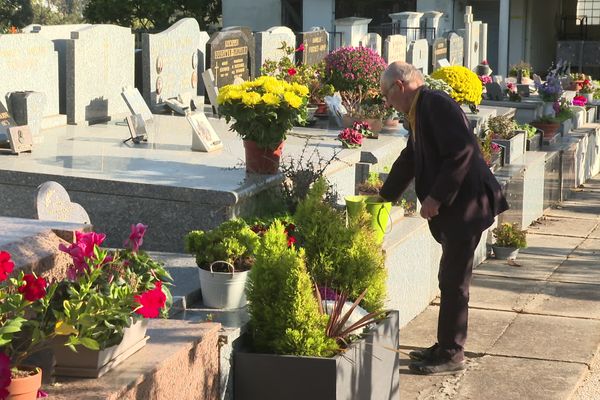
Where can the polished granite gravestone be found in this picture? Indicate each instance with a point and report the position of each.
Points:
(316, 46)
(394, 48)
(30, 62)
(161, 183)
(27, 108)
(269, 45)
(99, 64)
(455, 49)
(172, 62)
(227, 55)
(439, 51)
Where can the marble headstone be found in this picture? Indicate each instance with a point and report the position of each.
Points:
(249, 39)
(268, 45)
(100, 62)
(394, 48)
(212, 91)
(227, 56)
(28, 62)
(136, 103)
(439, 51)
(27, 108)
(316, 46)
(172, 61)
(372, 41)
(455, 49)
(54, 204)
(418, 55)
(494, 91)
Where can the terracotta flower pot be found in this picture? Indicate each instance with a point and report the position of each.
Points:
(260, 160)
(549, 130)
(321, 109)
(25, 388)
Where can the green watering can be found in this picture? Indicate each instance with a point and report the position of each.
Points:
(380, 212)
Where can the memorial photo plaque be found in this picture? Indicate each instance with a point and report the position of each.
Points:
(137, 129)
(204, 137)
(20, 139)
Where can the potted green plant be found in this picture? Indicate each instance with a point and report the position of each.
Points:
(293, 340)
(99, 312)
(263, 110)
(550, 92)
(483, 69)
(370, 186)
(508, 240)
(534, 136)
(24, 301)
(522, 68)
(505, 134)
(492, 153)
(465, 84)
(224, 256)
(587, 89)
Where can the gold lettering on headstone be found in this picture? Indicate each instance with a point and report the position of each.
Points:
(227, 53)
(232, 42)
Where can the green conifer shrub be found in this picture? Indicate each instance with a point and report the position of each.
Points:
(342, 258)
(284, 312)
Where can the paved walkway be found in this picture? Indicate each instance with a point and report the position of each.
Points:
(534, 327)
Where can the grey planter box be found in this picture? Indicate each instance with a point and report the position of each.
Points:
(566, 126)
(535, 142)
(368, 369)
(513, 147)
(591, 114)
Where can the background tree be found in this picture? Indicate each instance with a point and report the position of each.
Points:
(151, 14)
(18, 13)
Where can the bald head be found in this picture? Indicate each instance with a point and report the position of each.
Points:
(399, 70)
(400, 82)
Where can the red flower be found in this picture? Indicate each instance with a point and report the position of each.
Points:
(136, 237)
(34, 288)
(87, 241)
(6, 265)
(5, 375)
(292, 71)
(151, 301)
(301, 47)
(291, 240)
(484, 62)
(13, 29)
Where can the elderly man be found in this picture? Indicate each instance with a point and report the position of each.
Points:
(459, 195)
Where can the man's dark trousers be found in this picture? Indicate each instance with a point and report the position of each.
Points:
(456, 270)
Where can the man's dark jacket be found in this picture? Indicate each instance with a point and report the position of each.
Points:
(444, 158)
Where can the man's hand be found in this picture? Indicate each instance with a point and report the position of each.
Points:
(430, 208)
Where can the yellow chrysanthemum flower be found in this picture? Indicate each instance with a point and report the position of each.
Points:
(251, 99)
(300, 90)
(274, 87)
(292, 99)
(271, 99)
(466, 86)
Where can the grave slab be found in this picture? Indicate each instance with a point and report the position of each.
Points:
(549, 338)
(518, 378)
(485, 327)
(545, 245)
(161, 183)
(502, 293)
(564, 227)
(531, 266)
(578, 270)
(567, 299)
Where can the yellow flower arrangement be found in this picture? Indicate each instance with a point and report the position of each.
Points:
(263, 109)
(466, 86)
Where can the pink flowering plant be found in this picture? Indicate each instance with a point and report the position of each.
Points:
(350, 138)
(355, 73)
(106, 291)
(363, 128)
(24, 305)
(579, 101)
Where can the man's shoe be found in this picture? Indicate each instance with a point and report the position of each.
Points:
(424, 354)
(436, 367)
